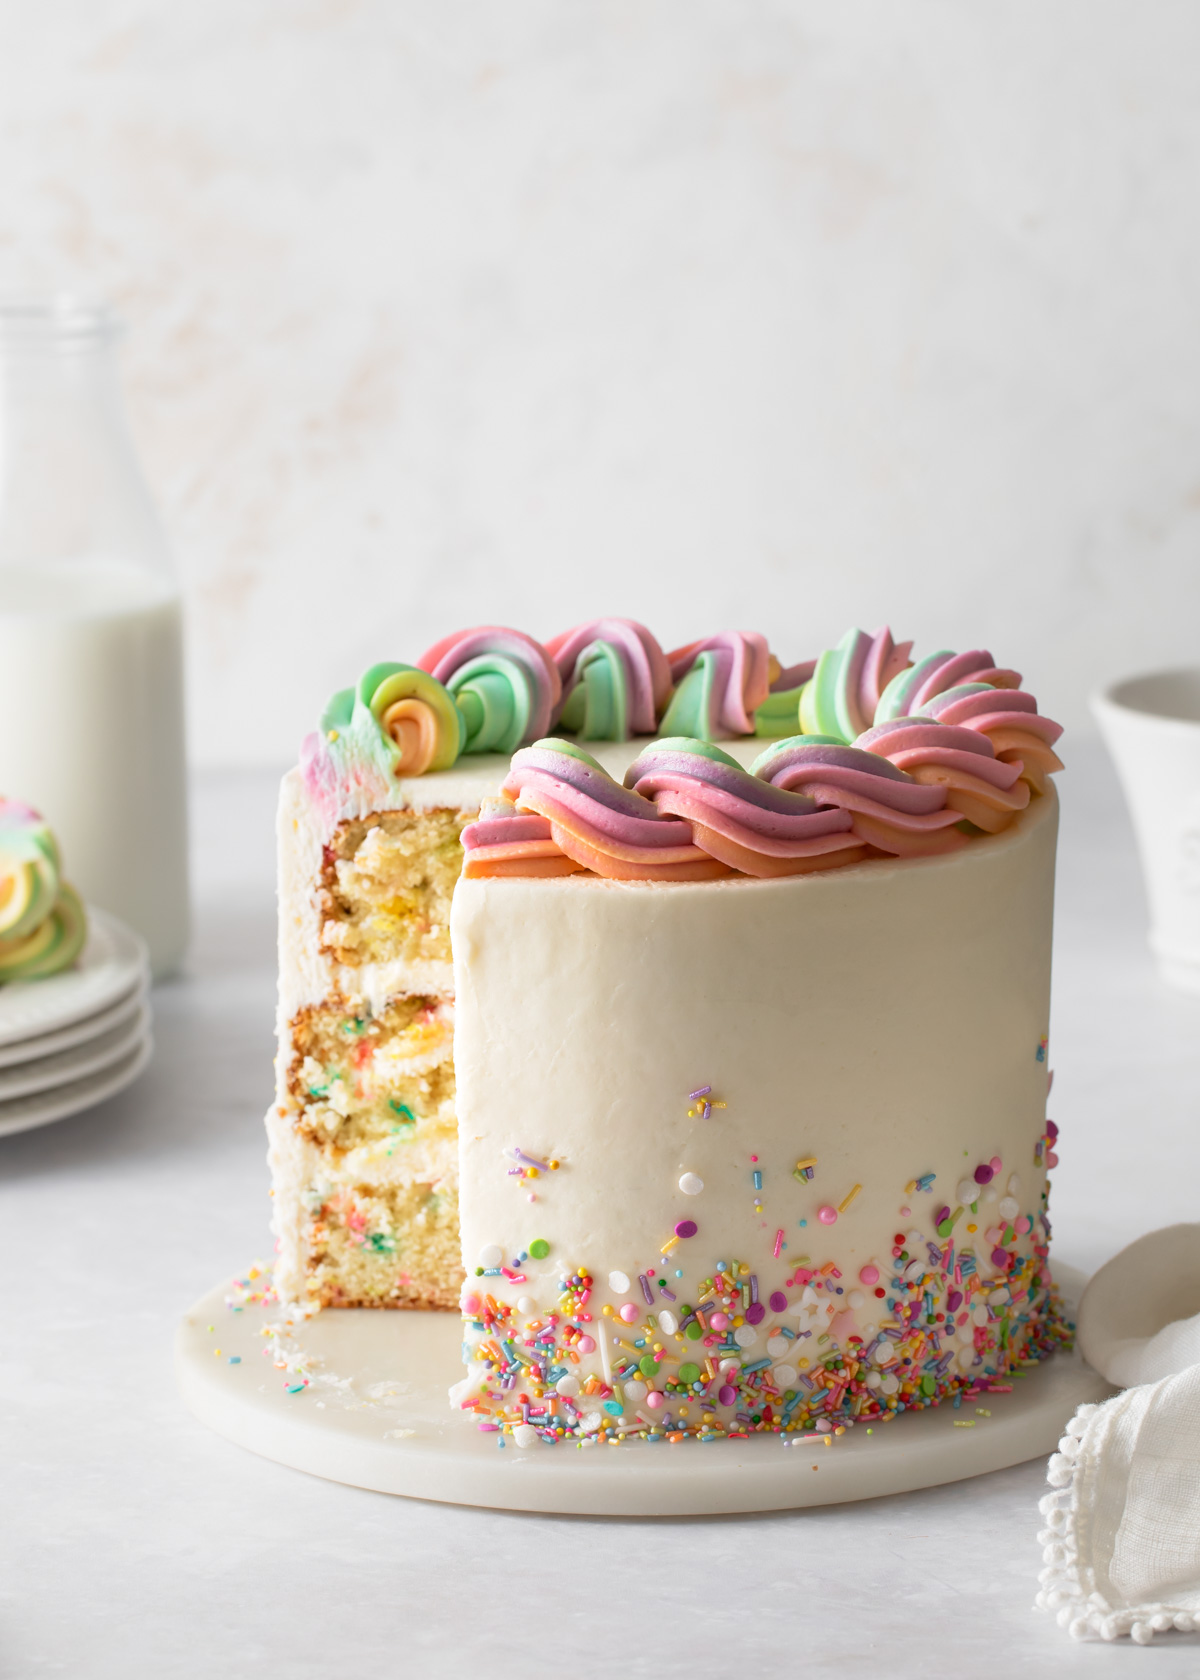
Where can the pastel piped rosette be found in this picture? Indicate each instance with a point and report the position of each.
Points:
(741, 819)
(590, 819)
(43, 925)
(616, 681)
(848, 683)
(779, 713)
(504, 684)
(415, 714)
(884, 806)
(1009, 719)
(721, 681)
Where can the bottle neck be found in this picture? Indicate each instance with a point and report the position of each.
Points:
(70, 484)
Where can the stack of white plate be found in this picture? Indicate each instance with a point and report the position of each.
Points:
(70, 1041)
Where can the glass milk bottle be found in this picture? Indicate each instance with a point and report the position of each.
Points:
(91, 701)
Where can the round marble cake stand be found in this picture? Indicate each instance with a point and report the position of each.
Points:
(375, 1415)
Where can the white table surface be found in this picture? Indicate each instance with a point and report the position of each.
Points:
(134, 1542)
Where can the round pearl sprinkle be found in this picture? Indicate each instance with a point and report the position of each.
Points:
(686, 1228)
(629, 1312)
(527, 1304)
(997, 1163)
(1022, 1225)
(491, 1255)
(618, 1283)
(691, 1184)
(471, 1303)
(756, 1312)
(869, 1275)
(778, 1301)
(827, 1215)
(727, 1394)
(654, 1399)
(586, 1344)
(567, 1385)
(539, 1248)
(719, 1320)
(525, 1435)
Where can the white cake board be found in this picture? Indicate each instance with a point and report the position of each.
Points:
(375, 1414)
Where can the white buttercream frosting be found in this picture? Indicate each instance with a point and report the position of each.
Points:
(887, 1019)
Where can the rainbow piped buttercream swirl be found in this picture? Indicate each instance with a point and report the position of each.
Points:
(561, 812)
(43, 924)
(849, 680)
(505, 685)
(912, 689)
(738, 818)
(779, 713)
(1010, 720)
(601, 825)
(960, 761)
(889, 809)
(721, 682)
(416, 714)
(615, 679)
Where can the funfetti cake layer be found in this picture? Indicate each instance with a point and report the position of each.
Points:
(746, 1154)
(363, 1137)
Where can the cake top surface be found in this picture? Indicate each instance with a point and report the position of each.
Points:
(860, 752)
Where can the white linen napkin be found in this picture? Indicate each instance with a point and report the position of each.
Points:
(1122, 1534)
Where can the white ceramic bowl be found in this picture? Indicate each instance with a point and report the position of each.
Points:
(1152, 727)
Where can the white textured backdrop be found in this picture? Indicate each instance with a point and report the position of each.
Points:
(716, 312)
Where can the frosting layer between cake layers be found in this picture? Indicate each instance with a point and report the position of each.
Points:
(800, 1134)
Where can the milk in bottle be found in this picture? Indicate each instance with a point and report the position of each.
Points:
(91, 708)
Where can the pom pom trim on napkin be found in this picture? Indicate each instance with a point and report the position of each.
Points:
(1121, 1515)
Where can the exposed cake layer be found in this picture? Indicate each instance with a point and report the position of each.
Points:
(365, 1089)
(373, 1225)
(387, 883)
(801, 1135)
(357, 1078)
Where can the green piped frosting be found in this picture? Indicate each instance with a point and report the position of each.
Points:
(495, 697)
(779, 713)
(52, 946)
(597, 708)
(824, 707)
(693, 744)
(43, 924)
(696, 702)
(355, 721)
